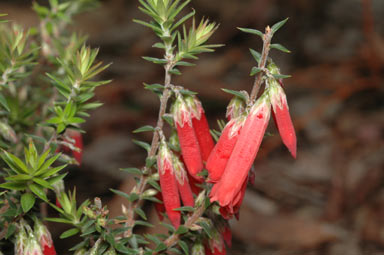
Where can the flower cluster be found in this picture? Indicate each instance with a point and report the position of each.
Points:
(229, 161)
(233, 156)
(34, 242)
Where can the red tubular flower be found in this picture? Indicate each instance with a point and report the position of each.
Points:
(168, 184)
(159, 207)
(227, 235)
(189, 144)
(282, 117)
(215, 251)
(243, 154)
(218, 159)
(44, 238)
(234, 207)
(78, 153)
(201, 127)
(72, 143)
(194, 183)
(216, 245)
(183, 183)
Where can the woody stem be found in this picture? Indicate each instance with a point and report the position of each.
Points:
(142, 184)
(174, 238)
(263, 60)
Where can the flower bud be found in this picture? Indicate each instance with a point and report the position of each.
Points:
(102, 222)
(183, 182)
(235, 108)
(201, 127)
(281, 116)
(200, 199)
(32, 246)
(44, 238)
(110, 251)
(89, 212)
(21, 241)
(150, 193)
(81, 251)
(168, 184)
(94, 250)
(189, 144)
(198, 249)
(216, 245)
(7, 132)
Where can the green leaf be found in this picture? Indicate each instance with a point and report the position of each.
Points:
(185, 209)
(159, 45)
(256, 55)
(141, 213)
(144, 129)
(11, 230)
(160, 247)
(42, 159)
(183, 19)
(169, 119)
(251, 31)
(184, 247)
(15, 160)
(154, 184)
(154, 27)
(155, 86)
(278, 25)
(184, 63)
(187, 92)
(43, 183)
(132, 170)
(120, 193)
(279, 47)
(235, 93)
(156, 60)
(149, 162)
(255, 70)
(152, 199)
(27, 201)
(44, 167)
(181, 230)
(175, 71)
(206, 228)
(53, 171)
(18, 177)
(13, 186)
(57, 178)
(143, 145)
(69, 233)
(133, 197)
(170, 227)
(4, 103)
(143, 223)
(59, 220)
(39, 191)
(280, 76)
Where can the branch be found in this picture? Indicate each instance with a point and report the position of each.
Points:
(264, 56)
(140, 187)
(174, 238)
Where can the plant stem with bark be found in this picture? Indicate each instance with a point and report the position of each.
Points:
(263, 61)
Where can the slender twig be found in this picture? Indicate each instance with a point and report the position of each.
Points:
(140, 187)
(263, 61)
(191, 221)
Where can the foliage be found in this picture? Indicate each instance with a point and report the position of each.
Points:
(47, 85)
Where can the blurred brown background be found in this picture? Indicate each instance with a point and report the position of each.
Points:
(328, 201)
